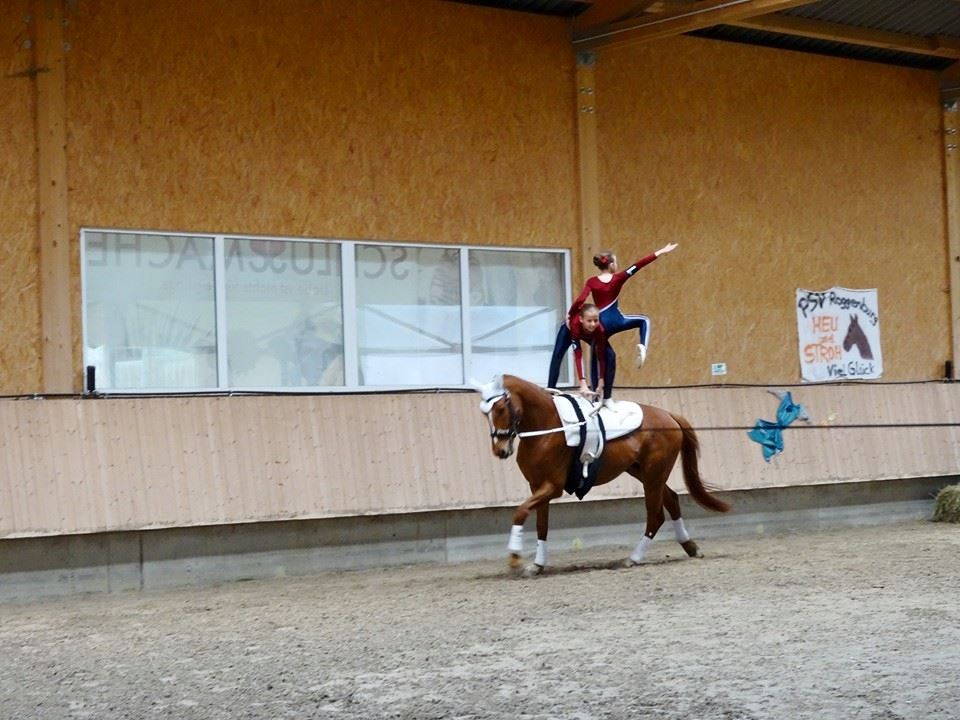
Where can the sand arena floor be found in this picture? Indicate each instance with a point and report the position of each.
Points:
(856, 623)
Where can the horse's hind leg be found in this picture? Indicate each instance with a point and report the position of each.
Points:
(672, 503)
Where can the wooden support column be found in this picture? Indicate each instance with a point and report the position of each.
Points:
(587, 159)
(951, 165)
(53, 229)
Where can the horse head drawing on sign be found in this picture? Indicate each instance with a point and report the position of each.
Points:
(856, 336)
(517, 410)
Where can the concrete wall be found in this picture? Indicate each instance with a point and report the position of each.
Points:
(150, 560)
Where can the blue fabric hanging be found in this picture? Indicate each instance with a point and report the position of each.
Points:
(770, 434)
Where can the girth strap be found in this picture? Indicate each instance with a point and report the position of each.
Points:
(582, 423)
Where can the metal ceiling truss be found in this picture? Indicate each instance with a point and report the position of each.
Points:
(912, 33)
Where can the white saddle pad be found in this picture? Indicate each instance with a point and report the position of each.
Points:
(623, 418)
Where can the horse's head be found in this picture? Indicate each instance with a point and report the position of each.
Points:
(503, 415)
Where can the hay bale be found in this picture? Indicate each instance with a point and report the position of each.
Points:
(947, 507)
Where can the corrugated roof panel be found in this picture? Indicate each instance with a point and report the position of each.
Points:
(823, 47)
(912, 17)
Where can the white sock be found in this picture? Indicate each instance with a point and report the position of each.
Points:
(680, 530)
(541, 558)
(516, 539)
(640, 551)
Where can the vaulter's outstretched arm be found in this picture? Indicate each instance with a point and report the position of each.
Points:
(647, 259)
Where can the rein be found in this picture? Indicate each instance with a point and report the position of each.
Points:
(534, 433)
(515, 421)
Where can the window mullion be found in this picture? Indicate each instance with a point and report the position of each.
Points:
(466, 335)
(348, 286)
(220, 305)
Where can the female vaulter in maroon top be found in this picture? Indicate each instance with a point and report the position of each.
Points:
(605, 294)
(605, 288)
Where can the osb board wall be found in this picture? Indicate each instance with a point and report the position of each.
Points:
(70, 465)
(395, 119)
(20, 367)
(773, 170)
(415, 120)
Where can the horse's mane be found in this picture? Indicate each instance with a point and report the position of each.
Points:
(512, 381)
(535, 399)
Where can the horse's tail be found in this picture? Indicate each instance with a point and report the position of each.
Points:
(689, 451)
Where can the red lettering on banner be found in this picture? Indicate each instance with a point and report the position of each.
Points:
(826, 350)
(825, 323)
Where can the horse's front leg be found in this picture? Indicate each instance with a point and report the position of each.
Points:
(653, 498)
(543, 526)
(537, 501)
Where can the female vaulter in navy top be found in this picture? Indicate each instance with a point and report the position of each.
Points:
(605, 288)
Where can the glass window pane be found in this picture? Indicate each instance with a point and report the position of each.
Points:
(284, 315)
(150, 316)
(517, 303)
(408, 315)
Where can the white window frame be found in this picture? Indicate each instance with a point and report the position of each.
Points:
(348, 297)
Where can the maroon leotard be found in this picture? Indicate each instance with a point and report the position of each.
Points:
(597, 339)
(605, 294)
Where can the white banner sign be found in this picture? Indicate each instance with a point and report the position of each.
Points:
(839, 333)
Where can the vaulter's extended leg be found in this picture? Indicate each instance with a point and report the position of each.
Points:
(560, 348)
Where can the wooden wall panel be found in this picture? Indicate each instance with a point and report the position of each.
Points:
(394, 119)
(50, 82)
(75, 466)
(428, 121)
(773, 170)
(20, 366)
(415, 120)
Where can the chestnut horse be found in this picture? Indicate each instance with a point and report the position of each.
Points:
(516, 409)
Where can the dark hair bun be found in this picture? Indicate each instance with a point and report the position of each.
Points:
(602, 260)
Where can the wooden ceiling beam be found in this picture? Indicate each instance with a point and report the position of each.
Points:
(678, 20)
(802, 27)
(605, 12)
(950, 84)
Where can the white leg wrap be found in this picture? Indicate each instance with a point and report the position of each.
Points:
(680, 530)
(516, 539)
(541, 558)
(640, 551)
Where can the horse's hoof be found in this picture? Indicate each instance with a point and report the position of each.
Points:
(514, 561)
(630, 563)
(532, 570)
(692, 549)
